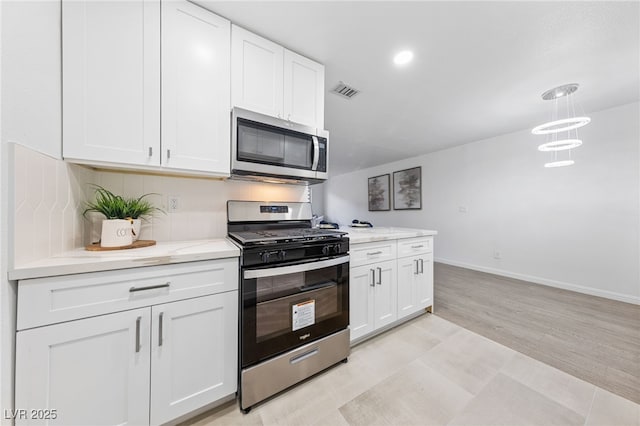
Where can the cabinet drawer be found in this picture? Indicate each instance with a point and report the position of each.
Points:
(51, 300)
(418, 245)
(363, 254)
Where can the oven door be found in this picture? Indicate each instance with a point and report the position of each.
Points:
(288, 306)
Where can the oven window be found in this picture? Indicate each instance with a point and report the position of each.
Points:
(276, 317)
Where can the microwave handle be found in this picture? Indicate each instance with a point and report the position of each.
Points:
(316, 153)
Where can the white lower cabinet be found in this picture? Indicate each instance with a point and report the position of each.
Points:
(147, 365)
(361, 301)
(389, 281)
(90, 371)
(372, 297)
(193, 355)
(415, 284)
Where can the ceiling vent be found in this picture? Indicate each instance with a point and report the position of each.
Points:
(345, 90)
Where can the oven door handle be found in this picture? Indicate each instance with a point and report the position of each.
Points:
(292, 269)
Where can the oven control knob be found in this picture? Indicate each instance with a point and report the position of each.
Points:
(282, 254)
(264, 256)
(326, 250)
(337, 248)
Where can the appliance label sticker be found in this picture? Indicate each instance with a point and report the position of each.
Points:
(304, 314)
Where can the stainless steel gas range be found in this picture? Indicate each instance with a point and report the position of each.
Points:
(294, 296)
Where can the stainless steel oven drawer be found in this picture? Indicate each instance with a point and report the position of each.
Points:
(272, 376)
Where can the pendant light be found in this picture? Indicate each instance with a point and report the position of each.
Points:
(562, 130)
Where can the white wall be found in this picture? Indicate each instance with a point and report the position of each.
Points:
(575, 227)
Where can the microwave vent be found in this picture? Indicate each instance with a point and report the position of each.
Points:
(345, 90)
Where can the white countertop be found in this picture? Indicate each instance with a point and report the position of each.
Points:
(164, 253)
(368, 235)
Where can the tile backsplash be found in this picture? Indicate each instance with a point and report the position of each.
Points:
(50, 195)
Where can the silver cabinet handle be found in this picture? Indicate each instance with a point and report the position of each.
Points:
(379, 276)
(150, 151)
(373, 277)
(373, 253)
(421, 266)
(138, 345)
(168, 154)
(417, 271)
(420, 246)
(160, 327)
(151, 287)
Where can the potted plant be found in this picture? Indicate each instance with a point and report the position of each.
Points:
(116, 207)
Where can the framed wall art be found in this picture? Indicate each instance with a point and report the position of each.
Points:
(407, 189)
(379, 193)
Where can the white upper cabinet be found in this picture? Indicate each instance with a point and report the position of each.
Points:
(256, 70)
(269, 79)
(111, 81)
(112, 85)
(303, 90)
(196, 88)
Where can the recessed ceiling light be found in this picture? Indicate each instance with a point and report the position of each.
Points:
(403, 58)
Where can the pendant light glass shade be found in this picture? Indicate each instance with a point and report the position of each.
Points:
(563, 125)
(561, 130)
(561, 163)
(560, 145)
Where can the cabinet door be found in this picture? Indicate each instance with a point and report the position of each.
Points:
(196, 88)
(256, 73)
(424, 282)
(194, 354)
(111, 81)
(408, 272)
(303, 90)
(361, 293)
(91, 371)
(386, 297)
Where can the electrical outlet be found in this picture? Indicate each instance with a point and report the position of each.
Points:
(173, 203)
(497, 254)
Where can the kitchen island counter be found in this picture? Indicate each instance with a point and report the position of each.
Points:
(163, 253)
(368, 235)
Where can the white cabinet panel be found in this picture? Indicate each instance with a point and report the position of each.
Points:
(91, 371)
(363, 254)
(303, 90)
(413, 246)
(408, 269)
(196, 88)
(424, 283)
(361, 301)
(111, 81)
(257, 73)
(194, 355)
(386, 297)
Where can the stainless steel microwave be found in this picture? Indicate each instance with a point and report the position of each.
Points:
(268, 147)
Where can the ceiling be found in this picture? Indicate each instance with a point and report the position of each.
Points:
(479, 67)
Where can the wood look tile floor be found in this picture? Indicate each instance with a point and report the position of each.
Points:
(592, 338)
(431, 371)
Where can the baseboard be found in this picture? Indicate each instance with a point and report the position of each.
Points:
(544, 281)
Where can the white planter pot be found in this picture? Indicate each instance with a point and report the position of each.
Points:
(116, 233)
